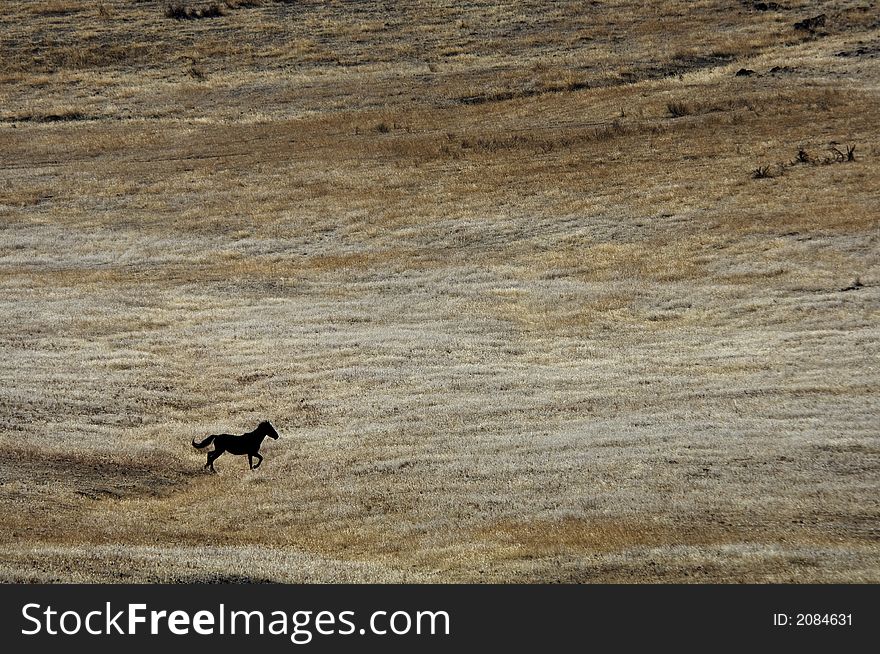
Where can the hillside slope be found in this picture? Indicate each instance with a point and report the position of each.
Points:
(532, 291)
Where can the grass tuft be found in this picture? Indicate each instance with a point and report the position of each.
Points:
(678, 109)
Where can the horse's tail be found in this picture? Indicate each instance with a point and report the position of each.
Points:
(204, 443)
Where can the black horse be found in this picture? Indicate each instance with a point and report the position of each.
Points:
(245, 444)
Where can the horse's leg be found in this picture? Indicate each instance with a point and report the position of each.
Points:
(250, 461)
(212, 456)
(257, 454)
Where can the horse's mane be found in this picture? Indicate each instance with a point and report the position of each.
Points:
(266, 426)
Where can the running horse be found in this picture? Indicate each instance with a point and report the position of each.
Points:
(245, 444)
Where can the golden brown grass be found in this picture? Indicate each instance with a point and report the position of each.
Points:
(514, 316)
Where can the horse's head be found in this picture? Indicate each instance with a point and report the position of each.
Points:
(267, 428)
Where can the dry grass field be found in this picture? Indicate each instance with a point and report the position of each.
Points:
(533, 291)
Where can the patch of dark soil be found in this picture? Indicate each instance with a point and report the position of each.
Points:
(869, 51)
(641, 72)
(90, 475)
(843, 460)
(179, 11)
(811, 24)
(64, 117)
(768, 6)
(854, 448)
(677, 66)
(220, 578)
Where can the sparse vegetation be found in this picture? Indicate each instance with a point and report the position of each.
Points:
(805, 158)
(197, 72)
(514, 316)
(850, 154)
